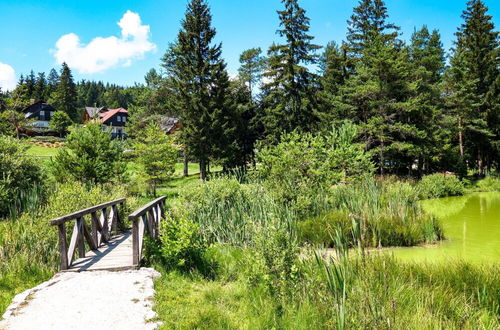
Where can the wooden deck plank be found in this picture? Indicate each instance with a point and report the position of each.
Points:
(114, 255)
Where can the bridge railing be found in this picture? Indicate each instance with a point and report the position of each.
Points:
(103, 224)
(145, 220)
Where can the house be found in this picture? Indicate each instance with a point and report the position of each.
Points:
(41, 113)
(114, 120)
(170, 125)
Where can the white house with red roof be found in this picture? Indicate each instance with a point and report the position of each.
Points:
(114, 120)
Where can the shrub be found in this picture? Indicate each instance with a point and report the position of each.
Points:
(490, 183)
(320, 230)
(60, 122)
(303, 164)
(439, 185)
(90, 156)
(20, 178)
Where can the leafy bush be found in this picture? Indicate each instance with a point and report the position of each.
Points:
(20, 178)
(490, 183)
(439, 185)
(303, 164)
(60, 122)
(90, 156)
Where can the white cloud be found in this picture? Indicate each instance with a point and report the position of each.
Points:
(7, 77)
(103, 53)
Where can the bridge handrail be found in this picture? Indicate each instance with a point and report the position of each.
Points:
(102, 227)
(147, 217)
(81, 213)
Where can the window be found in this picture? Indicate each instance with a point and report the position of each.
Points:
(42, 115)
(51, 114)
(124, 119)
(118, 118)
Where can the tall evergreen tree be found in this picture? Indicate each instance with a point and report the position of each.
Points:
(252, 64)
(289, 101)
(52, 81)
(472, 87)
(30, 85)
(65, 97)
(198, 74)
(427, 62)
(40, 90)
(369, 22)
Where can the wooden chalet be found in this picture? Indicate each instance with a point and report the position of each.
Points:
(114, 120)
(41, 113)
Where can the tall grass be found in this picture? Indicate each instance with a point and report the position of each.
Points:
(29, 246)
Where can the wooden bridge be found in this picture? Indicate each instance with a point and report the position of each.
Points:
(98, 240)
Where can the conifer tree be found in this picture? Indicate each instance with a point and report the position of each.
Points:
(65, 97)
(198, 75)
(52, 81)
(252, 64)
(40, 90)
(472, 91)
(289, 101)
(368, 22)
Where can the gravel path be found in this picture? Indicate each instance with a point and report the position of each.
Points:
(88, 300)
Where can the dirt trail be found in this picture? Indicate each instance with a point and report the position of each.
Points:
(88, 300)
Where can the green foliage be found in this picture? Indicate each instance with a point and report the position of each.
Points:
(320, 230)
(60, 122)
(490, 183)
(21, 178)
(64, 98)
(440, 185)
(301, 165)
(29, 252)
(157, 154)
(90, 156)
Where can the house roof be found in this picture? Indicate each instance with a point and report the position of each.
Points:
(167, 124)
(93, 111)
(105, 116)
(37, 107)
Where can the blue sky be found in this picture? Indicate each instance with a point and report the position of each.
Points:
(37, 34)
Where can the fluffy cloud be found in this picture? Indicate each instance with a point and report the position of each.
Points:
(103, 53)
(7, 77)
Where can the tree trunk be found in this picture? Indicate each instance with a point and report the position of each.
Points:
(203, 170)
(382, 157)
(460, 138)
(186, 164)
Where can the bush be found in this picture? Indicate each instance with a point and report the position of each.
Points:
(302, 165)
(20, 178)
(321, 230)
(90, 156)
(490, 183)
(440, 185)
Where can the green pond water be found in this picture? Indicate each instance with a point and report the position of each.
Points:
(471, 225)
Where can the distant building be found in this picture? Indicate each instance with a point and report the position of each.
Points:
(114, 120)
(41, 113)
(170, 125)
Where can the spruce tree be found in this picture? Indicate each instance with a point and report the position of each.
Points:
(65, 97)
(472, 91)
(52, 81)
(252, 64)
(199, 76)
(427, 62)
(289, 101)
(369, 22)
(40, 90)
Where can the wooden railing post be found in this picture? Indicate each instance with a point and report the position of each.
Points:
(63, 246)
(135, 241)
(80, 238)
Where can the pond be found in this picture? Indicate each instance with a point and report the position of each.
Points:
(471, 225)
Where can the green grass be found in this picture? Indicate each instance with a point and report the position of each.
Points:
(39, 151)
(380, 293)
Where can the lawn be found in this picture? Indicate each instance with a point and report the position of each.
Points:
(42, 152)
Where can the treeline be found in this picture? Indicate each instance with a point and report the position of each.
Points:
(417, 112)
(60, 90)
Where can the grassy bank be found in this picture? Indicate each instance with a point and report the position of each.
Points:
(376, 292)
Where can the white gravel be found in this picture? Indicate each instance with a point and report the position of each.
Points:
(87, 300)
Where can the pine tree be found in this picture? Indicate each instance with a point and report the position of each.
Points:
(473, 96)
(30, 85)
(40, 90)
(199, 76)
(252, 64)
(52, 81)
(65, 97)
(289, 101)
(336, 67)
(368, 22)
(427, 61)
